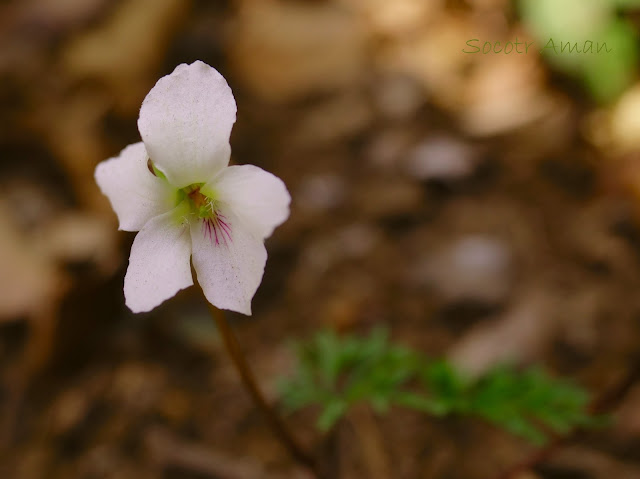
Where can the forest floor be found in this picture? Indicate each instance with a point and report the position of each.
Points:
(484, 227)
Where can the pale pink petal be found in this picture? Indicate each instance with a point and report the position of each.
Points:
(159, 264)
(229, 260)
(185, 122)
(136, 195)
(257, 197)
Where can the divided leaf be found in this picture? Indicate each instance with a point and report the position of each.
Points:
(337, 372)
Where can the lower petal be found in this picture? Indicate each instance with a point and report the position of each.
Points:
(159, 264)
(229, 260)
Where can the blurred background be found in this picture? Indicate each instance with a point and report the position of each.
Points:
(482, 206)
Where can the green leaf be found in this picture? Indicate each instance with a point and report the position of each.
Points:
(429, 405)
(607, 74)
(605, 71)
(331, 413)
(336, 372)
(523, 401)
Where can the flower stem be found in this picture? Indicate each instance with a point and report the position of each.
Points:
(275, 421)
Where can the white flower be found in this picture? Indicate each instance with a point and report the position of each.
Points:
(176, 188)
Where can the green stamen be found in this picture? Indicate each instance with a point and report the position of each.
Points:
(205, 206)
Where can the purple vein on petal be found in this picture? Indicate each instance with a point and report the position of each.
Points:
(217, 229)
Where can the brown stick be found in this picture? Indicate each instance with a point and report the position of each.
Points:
(605, 403)
(275, 421)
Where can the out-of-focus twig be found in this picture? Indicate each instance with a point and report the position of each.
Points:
(168, 450)
(371, 443)
(604, 403)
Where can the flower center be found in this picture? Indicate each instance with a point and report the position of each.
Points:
(200, 204)
(215, 225)
(200, 201)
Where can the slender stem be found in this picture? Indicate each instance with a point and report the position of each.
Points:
(275, 421)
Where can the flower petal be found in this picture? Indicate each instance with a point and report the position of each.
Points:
(185, 122)
(136, 195)
(229, 262)
(159, 264)
(257, 197)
